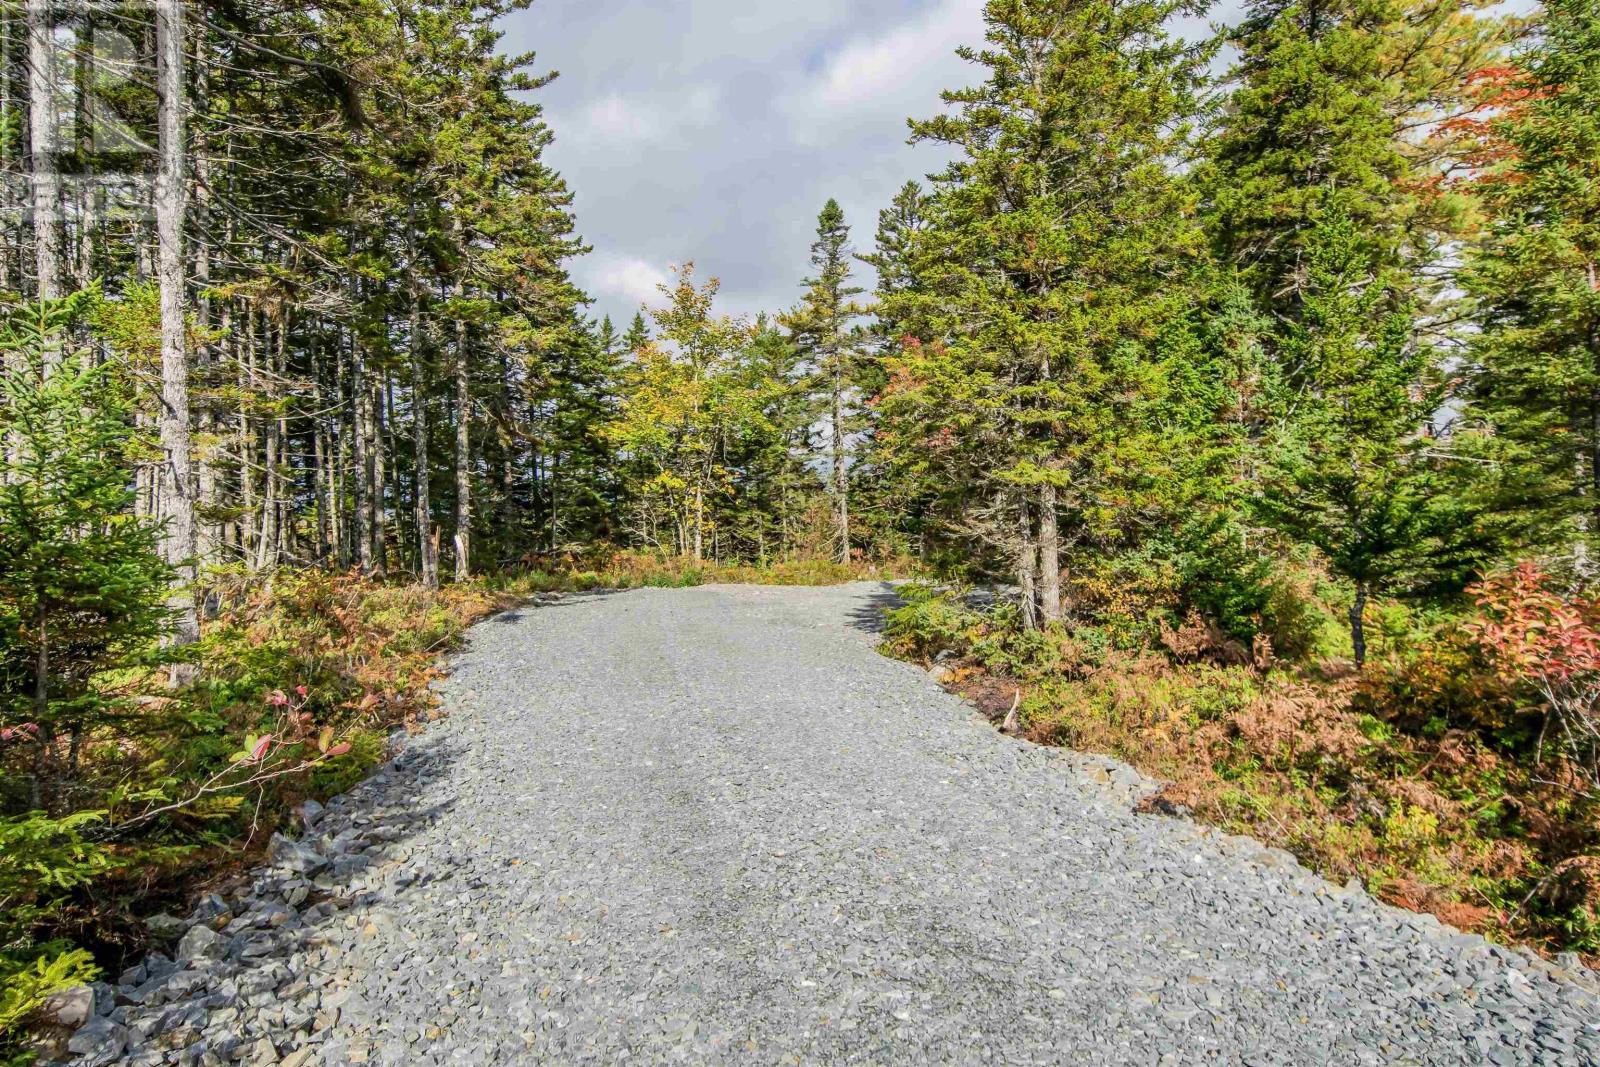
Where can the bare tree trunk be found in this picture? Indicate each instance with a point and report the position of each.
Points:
(10, 234)
(841, 469)
(1049, 555)
(427, 540)
(379, 520)
(699, 521)
(247, 443)
(422, 504)
(400, 509)
(267, 543)
(43, 122)
(329, 502)
(270, 550)
(83, 79)
(1027, 565)
(555, 501)
(319, 467)
(463, 538)
(361, 399)
(1593, 271)
(207, 419)
(1583, 479)
(1358, 632)
(341, 461)
(177, 494)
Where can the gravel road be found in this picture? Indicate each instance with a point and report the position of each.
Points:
(715, 826)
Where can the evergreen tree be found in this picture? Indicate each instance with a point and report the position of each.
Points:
(892, 258)
(1535, 280)
(1056, 247)
(82, 583)
(776, 487)
(1342, 107)
(1348, 470)
(831, 348)
(1305, 135)
(638, 334)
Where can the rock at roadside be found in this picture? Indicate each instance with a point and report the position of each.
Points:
(311, 813)
(70, 1007)
(98, 1042)
(165, 927)
(293, 856)
(202, 943)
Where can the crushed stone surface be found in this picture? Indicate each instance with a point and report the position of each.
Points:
(716, 826)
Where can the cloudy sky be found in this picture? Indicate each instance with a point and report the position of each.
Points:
(714, 130)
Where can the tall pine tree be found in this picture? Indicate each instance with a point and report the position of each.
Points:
(1057, 245)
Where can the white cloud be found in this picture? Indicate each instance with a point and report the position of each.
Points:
(626, 278)
(888, 76)
(613, 117)
(714, 130)
(629, 121)
(865, 70)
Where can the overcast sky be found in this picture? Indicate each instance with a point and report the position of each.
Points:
(715, 130)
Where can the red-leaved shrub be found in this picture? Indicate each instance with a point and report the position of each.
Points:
(1538, 636)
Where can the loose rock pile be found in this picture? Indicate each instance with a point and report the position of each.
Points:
(252, 978)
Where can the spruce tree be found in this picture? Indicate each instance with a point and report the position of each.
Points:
(82, 581)
(1535, 280)
(1305, 134)
(638, 334)
(1348, 470)
(1057, 245)
(892, 258)
(831, 347)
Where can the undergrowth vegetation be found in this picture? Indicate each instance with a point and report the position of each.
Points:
(300, 678)
(1442, 777)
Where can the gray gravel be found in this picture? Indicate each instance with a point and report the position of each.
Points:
(714, 826)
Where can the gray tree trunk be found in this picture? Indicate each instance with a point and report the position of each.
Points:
(1049, 555)
(841, 466)
(43, 137)
(10, 251)
(1027, 565)
(378, 520)
(1358, 630)
(176, 495)
(463, 538)
(361, 405)
(247, 441)
(427, 540)
(209, 535)
(84, 78)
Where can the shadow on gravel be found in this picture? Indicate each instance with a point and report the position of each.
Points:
(540, 601)
(258, 962)
(868, 616)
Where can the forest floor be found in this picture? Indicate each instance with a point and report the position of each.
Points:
(714, 825)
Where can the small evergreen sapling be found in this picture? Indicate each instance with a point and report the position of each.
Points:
(82, 583)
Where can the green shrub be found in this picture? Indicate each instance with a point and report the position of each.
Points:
(930, 620)
(41, 861)
(28, 980)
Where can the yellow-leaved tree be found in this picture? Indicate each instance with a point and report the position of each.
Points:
(686, 403)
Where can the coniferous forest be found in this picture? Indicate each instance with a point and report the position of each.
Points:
(1257, 376)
